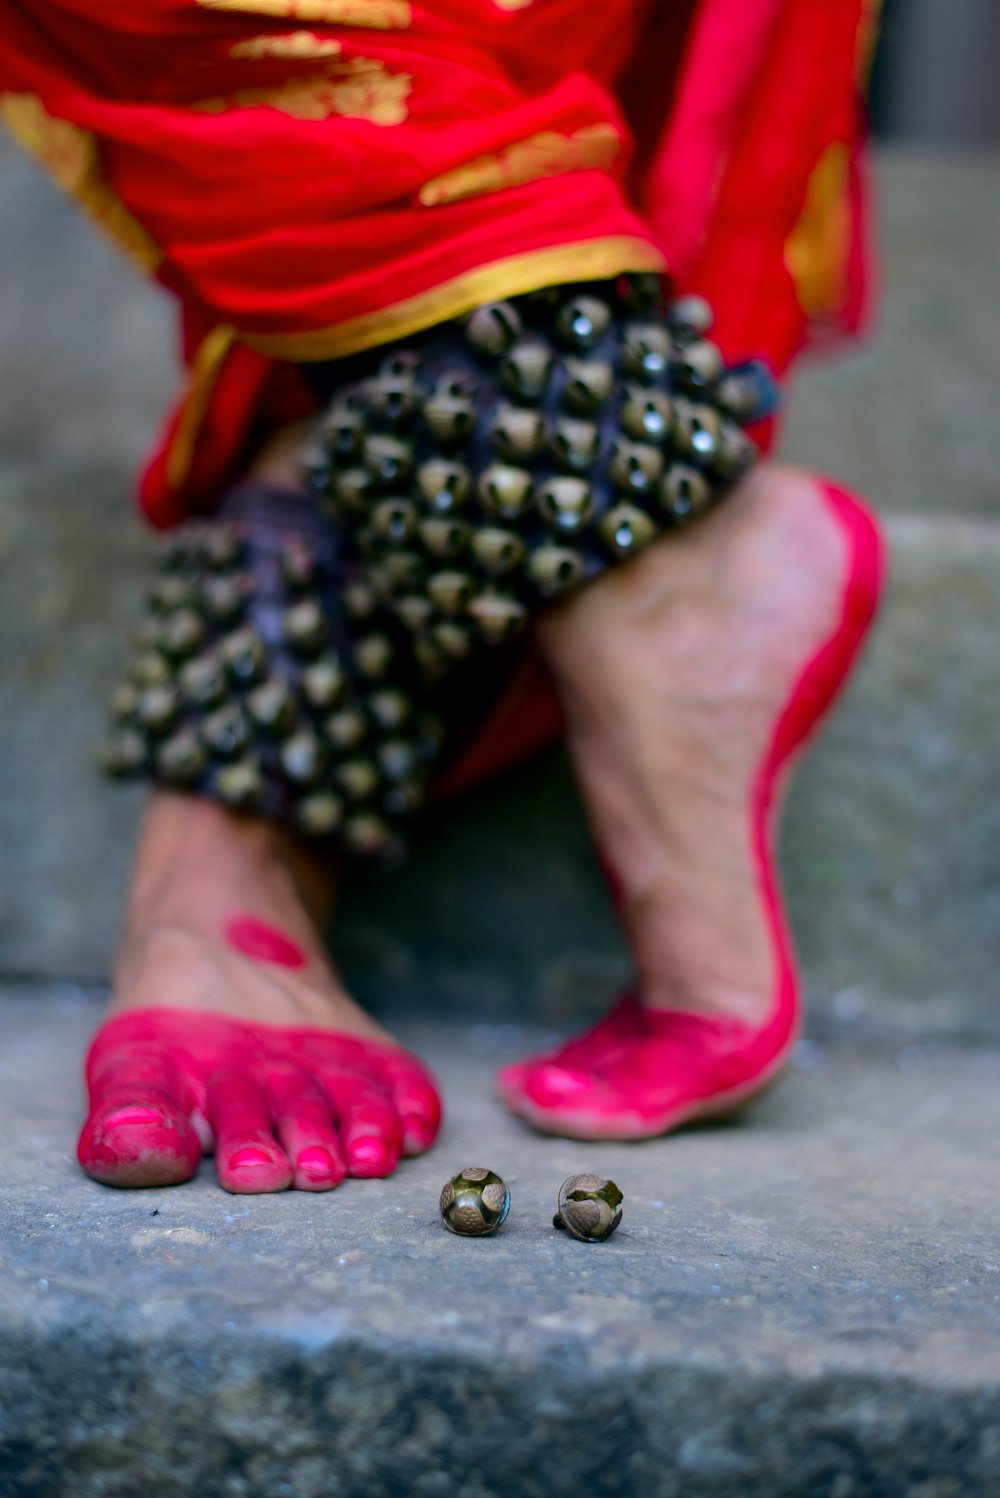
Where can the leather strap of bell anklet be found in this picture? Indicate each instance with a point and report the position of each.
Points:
(487, 467)
(266, 676)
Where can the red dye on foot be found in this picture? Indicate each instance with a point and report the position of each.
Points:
(256, 938)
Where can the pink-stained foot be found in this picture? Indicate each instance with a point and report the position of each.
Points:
(690, 681)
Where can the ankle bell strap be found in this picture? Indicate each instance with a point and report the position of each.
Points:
(266, 677)
(485, 468)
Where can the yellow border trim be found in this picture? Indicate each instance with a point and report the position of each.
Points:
(205, 370)
(375, 15)
(592, 260)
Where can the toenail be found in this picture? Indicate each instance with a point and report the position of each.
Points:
(134, 1116)
(249, 1155)
(368, 1151)
(315, 1161)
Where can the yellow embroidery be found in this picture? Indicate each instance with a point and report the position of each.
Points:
(512, 4)
(545, 155)
(378, 15)
(72, 158)
(816, 251)
(358, 89)
(589, 260)
(205, 370)
(296, 44)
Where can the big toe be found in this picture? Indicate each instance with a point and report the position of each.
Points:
(139, 1144)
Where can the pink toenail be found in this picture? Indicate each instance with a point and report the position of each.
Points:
(259, 939)
(315, 1161)
(134, 1116)
(249, 1155)
(368, 1152)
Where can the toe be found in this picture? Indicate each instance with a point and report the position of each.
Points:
(248, 1158)
(416, 1099)
(139, 1138)
(370, 1129)
(306, 1131)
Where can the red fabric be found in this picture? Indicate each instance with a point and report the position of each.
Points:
(284, 226)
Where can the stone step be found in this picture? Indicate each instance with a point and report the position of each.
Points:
(805, 1305)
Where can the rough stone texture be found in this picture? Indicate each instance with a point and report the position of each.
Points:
(806, 1305)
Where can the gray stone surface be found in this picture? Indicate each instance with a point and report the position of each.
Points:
(806, 1305)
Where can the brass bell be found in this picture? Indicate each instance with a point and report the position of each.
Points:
(493, 328)
(517, 433)
(124, 700)
(576, 444)
(645, 350)
(341, 432)
(182, 634)
(505, 491)
(243, 654)
(404, 799)
(450, 592)
(497, 551)
(352, 489)
(203, 681)
(683, 492)
(589, 383)
(225, 732)
(156, 709)
(323, 683)
(297, 564)
(372, 656)
(635, 466)
(171, 592)
(647, 415)
(272, 707)
(626, 530)
(567, 504)
(415, 610)
(553, 569)
(739, 393)
(696, 430)
(499, 618)
(150, 669)
(360, 599)
(346, 729)
(404, 570)
(318, 815)
(697, 366)
(124, 754)
(475, 1202)
(443, 485)
(397, 759)
(452, 640)
(222, 598)
(389, 708)
(690, 317)
(303, 757)
(589, 1208)
(240, 786)
(527, 369)
(305, 628)
(401, 364)
(180, 760)
(583, 321)
(450, 417)
(387, 459)
(444, 538)
(395, 520)
(736, 452)
(368, 836)
(393, 398)
(222, 545)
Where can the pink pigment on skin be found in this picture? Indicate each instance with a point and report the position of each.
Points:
(256, 938)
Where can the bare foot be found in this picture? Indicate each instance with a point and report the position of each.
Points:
(672, 673)
(229, 1031)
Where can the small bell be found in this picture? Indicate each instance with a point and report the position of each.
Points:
(497, 551)
(683, 492)
(203, 681)
(553, 569)
(635, 466)
(222, 599)
(493, 328)
(318, 815)
(243, 654)
(589, 383)
(415, 610)
(368, 836)
(358, 778)
(505, 491)
(156, 709)
(567, 504)
(305, 627)
(583, 321)
(240, 786)
(647, 415)
(589, 1208)
(303, 758)
(225, 733)
(696, 430)
(387, 459)
(575, 444)
(450, 592)
(690, 317)
(323, 683)
(180, 760)
(444, 539)
(150, 669)
(389, 708)
(372, 656)
(345, 730)
(450, 416)
(272, 707)
(443, 485)
(645, 350)
(626, 530)
(517, 433)
(475, 1202)
(697, 366)
(499, 618)
(181, 635)
(395, 520)
(527, 369)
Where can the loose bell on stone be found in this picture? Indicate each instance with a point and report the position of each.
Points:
(475, 1202)
(589, 1208)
